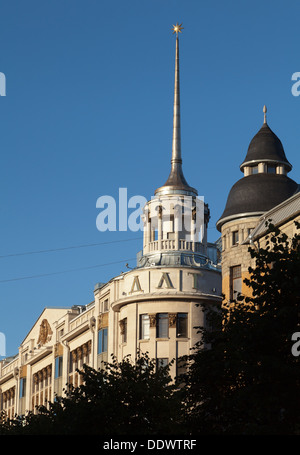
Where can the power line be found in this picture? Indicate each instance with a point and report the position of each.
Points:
(52, 250)
(67, 248)
(66, 271)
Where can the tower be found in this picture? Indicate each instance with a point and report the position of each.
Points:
(175, 218)
(158, 304)
(265, 184)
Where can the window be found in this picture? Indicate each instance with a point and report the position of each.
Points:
(235, 238)
(22, 387)
(182, 325)
(105, 306)
(144, 327)
(102, 341)
(181, 367)
(254, 170)
(235, 281)
(58, 366)
(162, 325)
(161, 362)
(124, 330)
(271, 169)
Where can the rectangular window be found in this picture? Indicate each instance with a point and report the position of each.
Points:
(124, 336)
(161, 362)
(58, 366)
(144, 327)
(182, 325)
(181, 367)
(105, 306)
(235, 281)
(102, 341)
(22, 387)
(162, 325)
(271, 169)
(254, 170)
(235, 238)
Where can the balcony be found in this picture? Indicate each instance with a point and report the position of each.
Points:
(170, 244)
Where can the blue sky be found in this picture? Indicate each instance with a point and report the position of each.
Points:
(89, 110)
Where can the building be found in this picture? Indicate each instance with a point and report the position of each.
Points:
(153, 308)
(264, 192)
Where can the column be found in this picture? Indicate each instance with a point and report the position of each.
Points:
(159, 228)
(177, 225)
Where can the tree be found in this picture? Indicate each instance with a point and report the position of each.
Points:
(124, 398)
(243, 377)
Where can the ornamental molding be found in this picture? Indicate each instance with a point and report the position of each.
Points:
(172, 319)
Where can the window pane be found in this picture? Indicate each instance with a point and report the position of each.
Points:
(254, 170)
(181, 367)
(100, 348)
(162, 362)
(271, 169)
(22, 387)
(162, 328)
(236, 271)
(125, 331)
(235, 281)
(104, 340)
(235, 237)
(237, 287)
(58, 367)
(182, 326)
(105, 305)
(144, 327)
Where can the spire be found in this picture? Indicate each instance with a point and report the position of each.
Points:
(176, 144)
(176, 182)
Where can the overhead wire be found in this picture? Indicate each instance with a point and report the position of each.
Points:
(67, 248)
(66, 271)
(63, 249)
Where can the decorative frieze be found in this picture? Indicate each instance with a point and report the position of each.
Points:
(81, 351)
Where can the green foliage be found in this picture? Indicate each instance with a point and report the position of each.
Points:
(124, 398)
(243, 377)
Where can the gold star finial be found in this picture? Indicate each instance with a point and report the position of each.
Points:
(177, 28)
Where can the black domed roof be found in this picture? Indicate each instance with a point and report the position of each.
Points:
(256, 194)
(265, 147)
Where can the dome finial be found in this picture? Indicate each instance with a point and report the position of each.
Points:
(265, 114)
